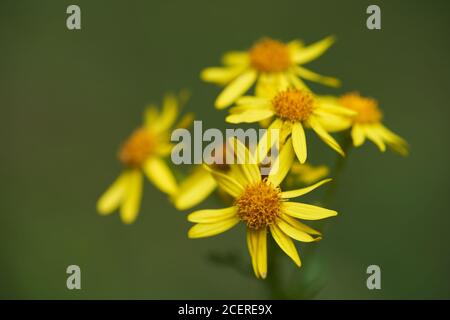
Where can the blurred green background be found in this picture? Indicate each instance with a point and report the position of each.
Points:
(68, 99)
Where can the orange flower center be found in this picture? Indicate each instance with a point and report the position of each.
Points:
(294, 105)
(269, 55)
(137, 148)
(367, 108)
(260, 205)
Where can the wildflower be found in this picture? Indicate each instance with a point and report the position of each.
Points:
(293, 110)
(143, 152)
(367, 124)
(271, 64)
(262, 206)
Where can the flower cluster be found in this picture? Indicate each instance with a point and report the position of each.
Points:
(264, 85)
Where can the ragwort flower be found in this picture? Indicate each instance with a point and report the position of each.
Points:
(269, 63)
(143, 152)
(262, 206)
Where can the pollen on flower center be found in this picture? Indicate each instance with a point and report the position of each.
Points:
(269, 55)
(366, 108)
(137, 148)
(294, 105)
(259, 205)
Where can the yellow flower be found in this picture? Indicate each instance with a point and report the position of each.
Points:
(307, 173)
(293, 109)
(262, 206)
(143, 152)
(367, 124)
(269, 63)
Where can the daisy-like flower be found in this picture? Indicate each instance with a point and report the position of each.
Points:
(262, 206)
(367, 124)
(269, 63)
(293, 109)
(143, 153)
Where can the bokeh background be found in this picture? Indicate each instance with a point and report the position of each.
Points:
(68, 99)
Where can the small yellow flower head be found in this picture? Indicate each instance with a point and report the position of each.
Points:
(137, 148)
(269, 55)
(293, 104)
(367, 108)
(259, 206)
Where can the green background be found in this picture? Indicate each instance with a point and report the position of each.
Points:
(68, 99)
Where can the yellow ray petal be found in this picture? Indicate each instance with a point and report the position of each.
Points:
(261, 252)
(332, 122)
(394, 141)
(285, 244)
(202, 230)
(269, 84)
(110, 200)
(132, 198)
(150, 115)
(247, 163)
(194, 189)
(228, 184)
(296, 234)
(374, 135)
(250, 116)
(234, 58)
(282, 164)
(235, 89)
(299, 141)
(212, 215)
(300, 226)
(160, 175)
(325, 136)
(253, 101)
(312, 76)
(296, 82)
(252, 241)
(302, 191)
(220, 75)
(313, 51)
(267, 140)
(358, 135)
(306, 211)
(168, 115)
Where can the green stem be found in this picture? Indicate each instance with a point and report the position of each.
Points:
(338, 169)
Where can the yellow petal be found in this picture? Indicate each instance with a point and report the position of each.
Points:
(110, 200)
(132, 198)
(228, 184)
(285, 244)
(236, 58)
(312, 76)
(300, 226)
(306, 211)
(253, 101)
(313, 51)
(247, 163)
(252, 241)
(220, 75)
(282, 164)
(261, 252)
(269, 84)
(250, 116)
(296, 234)
(212, 215)
(236, 88)
(325, 136)
(394, 141)
(202, 230)
(194, 189)
(160, 175)
(302, 191)
(186, 121)
(168, 115)
(374, 135)
(299, 141)
(268, 139)
(150, 116)
(296, 82)
(358, 135)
